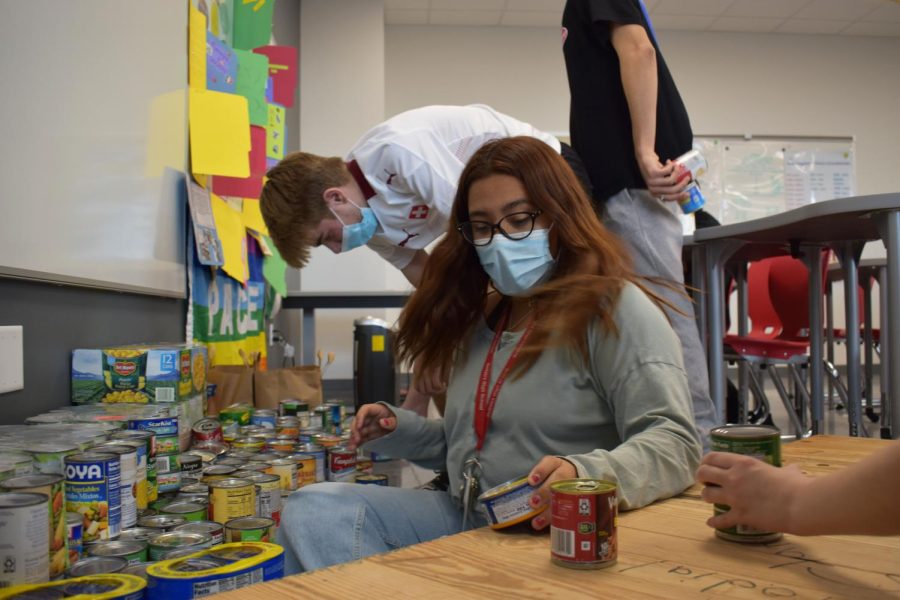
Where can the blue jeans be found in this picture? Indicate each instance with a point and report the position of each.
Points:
(330, 523)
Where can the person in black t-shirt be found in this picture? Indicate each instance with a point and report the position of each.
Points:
(628, 122)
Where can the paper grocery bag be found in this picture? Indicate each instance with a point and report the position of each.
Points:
(234, 385)
(302, 383)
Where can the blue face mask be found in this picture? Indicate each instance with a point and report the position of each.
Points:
(516, 266)
(358, 234)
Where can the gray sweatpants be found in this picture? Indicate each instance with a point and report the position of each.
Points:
(652, 231)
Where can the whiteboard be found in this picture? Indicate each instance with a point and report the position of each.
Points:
(94, 143)
(756, 176)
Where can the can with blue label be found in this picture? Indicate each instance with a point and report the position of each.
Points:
(92, 490)
(217, 569)
(695, 200)
(262, 417)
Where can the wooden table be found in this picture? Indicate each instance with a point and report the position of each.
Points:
(665, 551)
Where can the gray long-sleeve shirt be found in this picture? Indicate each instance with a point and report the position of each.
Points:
(625, 416)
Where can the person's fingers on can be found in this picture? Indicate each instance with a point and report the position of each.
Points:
(725, 520)
(540, 522)
(714, 494)
(707, 474)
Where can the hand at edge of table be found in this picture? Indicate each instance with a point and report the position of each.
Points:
(372, 422)
(550, 469)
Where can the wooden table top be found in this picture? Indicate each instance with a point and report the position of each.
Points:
(665, 551)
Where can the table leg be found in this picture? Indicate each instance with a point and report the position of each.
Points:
(890, 234)
(743, 329)
(885, 384)
(868, 349)
(716, 255)
(813, 257)
(849, 255)
(829, 333)
(308, 348)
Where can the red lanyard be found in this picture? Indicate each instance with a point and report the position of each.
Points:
(484, 403)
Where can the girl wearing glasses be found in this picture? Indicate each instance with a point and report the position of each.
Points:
(560, 364)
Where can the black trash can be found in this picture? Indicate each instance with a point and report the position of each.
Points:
(374, 377)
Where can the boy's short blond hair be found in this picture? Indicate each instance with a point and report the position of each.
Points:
(293, 203)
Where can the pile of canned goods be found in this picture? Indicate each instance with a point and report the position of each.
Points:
(111, 496)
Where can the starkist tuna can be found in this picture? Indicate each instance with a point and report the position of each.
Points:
(92, 490)
(759, 441)
(509, 503)
(24, 531)
(583, 520)
(51, 485)
(218, 569)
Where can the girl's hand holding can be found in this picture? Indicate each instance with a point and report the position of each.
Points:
(372, 422)
(549, 470)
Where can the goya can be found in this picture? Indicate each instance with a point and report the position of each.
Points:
(92, 490)
(218, 569)
(162, 523)
(509, 503)
(230, 499)
(306, 468)
(759, 441)
(177, 540)
(372, 479)
(127, 479)
(286, 470)
(207, 430)
(250, 529)
(214, 530)
(268, 495)
(583, 521)
(51, 485)
(134, 551)
(190, 510)
(341, 464)
(74, 536)
(97, 565)
(24, 531)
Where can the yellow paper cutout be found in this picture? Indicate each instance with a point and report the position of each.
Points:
(166, 135)
(230, 227)
(197, 50)
(201, 179)
(253, 218)
(220, 133)
(214, 18)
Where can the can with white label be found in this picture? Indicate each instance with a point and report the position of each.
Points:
(24, 531)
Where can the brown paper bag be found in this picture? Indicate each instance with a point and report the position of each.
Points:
(302, 383)
(234, 384)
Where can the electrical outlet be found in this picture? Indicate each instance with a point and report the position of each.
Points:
(12, 375)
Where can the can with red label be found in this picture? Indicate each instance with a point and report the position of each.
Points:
(341, 464)
(207, 430)
(583, 516)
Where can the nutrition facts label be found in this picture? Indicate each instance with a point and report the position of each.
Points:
(208, 588)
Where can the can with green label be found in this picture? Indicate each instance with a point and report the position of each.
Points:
(759, 441)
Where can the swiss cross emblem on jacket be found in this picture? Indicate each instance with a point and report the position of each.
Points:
(419, 211)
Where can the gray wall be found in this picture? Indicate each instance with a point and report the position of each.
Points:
(56, 319)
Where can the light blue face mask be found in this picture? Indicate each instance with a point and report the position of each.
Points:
(357, 234)
(516, 266)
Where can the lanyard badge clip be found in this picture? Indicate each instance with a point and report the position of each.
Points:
(471, 476)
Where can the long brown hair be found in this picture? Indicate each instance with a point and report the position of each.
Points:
(591, 265)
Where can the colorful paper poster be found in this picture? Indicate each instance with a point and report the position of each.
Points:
(275, 133)
(208, 245)
(283, 70)
(197, 50)
(221, 65)
(253, 218)
(225, 315)
(253, 73)
(274, 270)
(220, 133)
(252, 23)
(246, 187)
(230, 226)
(270, 90)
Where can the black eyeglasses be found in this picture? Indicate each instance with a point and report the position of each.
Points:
(514, 226)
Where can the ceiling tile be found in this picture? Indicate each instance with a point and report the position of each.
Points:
(813, 26)
(543, 5)
(467, 4)
(765, 8)
(406, 17)
(532, 18)
(703, 8)
(885, 28)
(405, 5)
(838, 10)
(889, 12)
(676, 23)
(747, 24)
(465, 17)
